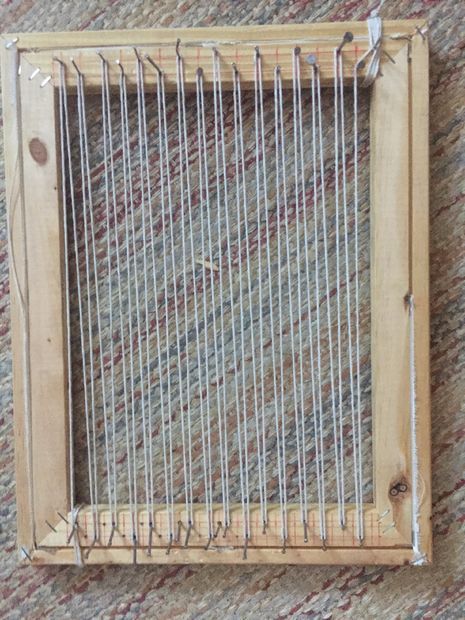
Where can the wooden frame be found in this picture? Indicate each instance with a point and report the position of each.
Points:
(399, 207)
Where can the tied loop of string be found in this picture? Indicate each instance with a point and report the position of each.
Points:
(75, 536)
(375, 33)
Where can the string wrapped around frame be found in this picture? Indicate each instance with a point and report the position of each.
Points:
(217, 336)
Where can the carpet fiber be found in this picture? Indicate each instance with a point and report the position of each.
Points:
(436, 591)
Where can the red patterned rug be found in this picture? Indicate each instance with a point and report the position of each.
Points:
(436, 591)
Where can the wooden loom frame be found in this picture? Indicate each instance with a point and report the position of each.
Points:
(399, 265)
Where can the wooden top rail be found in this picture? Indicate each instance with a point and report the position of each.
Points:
(234, 45)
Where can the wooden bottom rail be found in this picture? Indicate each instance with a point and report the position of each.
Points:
(378, 529)
(332, 555)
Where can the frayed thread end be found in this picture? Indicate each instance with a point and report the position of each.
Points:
(419, 559)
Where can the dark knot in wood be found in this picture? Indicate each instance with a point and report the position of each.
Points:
(396, 489)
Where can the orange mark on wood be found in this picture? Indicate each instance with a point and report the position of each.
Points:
(38, 151)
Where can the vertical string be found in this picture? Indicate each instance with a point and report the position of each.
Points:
(225, 206)
(208, 253)
(357, 417)
(235, 358)
(318, 153)
(189, 204)
(176, 307)
(280, 420)
(105, 113)
(126, 173)
(65, 157)
(239, 143)
(264, 181)
(347, 271)
(152, 236)
(145, 193)
(204, 206)
(167, 463)
(299, 181)
(119, 287)
(260, 166)
(97, 293)
(284, 253)
(241, 203)
(222, 406)
(346, 258)
(281, 202)
(338, 430)
(87, 205)
(93, 490)
(166, 197)
(149, 362)
(182, 98)
(136, 275)
(281, 162)
(187, 466)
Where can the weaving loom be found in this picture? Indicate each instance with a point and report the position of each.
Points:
(220, 286)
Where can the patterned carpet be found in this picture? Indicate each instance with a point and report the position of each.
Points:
(437, 591)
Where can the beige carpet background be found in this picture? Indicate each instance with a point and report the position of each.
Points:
(437, 591)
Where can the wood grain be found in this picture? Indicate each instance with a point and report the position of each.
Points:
(420, 276)
(390, 269)
(235, 45)
(48, 373)
(377, 533)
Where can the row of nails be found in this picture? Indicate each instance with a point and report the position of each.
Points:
(311, 59)
(173, 539)
(348, 37)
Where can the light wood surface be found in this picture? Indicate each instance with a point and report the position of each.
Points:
(45, 288)
(382, 544)
(377, 530)
(362, 556)
(237, 34)
(389, 150)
